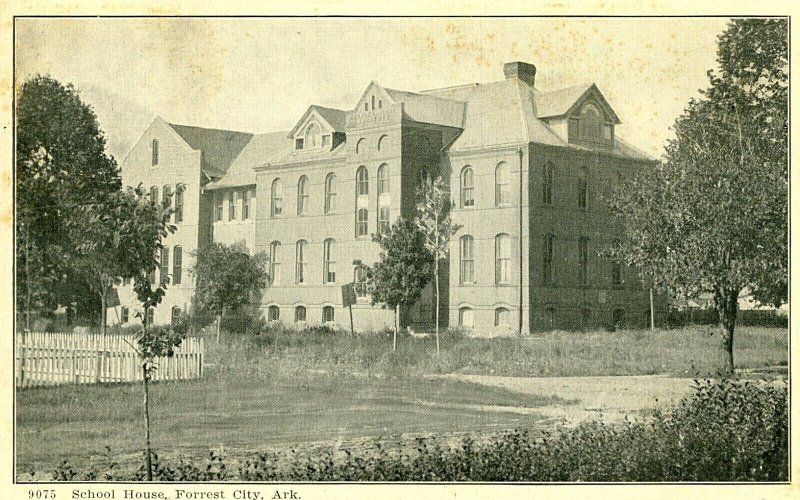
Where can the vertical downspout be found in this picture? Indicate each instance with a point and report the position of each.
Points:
(521, 260)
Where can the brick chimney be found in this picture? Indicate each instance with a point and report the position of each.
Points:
(524, 71)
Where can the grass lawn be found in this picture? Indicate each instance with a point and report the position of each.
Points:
(77, 422)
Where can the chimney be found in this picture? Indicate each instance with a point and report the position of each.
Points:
(524, 71)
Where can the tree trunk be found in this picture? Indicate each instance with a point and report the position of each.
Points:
(146, 403)
(727, 303)
(219, 325)
(436, 277)
(396, 320)
(652, 312)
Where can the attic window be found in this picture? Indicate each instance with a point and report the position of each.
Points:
(326, 140)
(154, 160)
(312, 136)
(298, 143)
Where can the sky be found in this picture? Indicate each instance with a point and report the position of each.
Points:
(261, 74)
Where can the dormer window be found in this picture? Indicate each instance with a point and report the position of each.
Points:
(591, 125)
(312, 136)
(326, 141)
(298, 143)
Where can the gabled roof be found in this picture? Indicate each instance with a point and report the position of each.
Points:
(334, 118)
(219, 147)
(261, 149)
(564, 101)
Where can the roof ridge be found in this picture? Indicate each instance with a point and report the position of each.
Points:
(209, 128)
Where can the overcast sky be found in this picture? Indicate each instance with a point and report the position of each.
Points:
(260, 75)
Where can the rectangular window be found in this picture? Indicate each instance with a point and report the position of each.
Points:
(383, 220)
(232, 205)
(167, 197)
(124, 315)
(154, 160)
(329, 264)
(583, 261)
(326, 141)
(616, 274)
(362, 222)
(273, 313)
(327, 314)
(299, 314)
(246, 204)
(179, 202)
(219, 209)
(547, 261)
(150, 315)
(274, 263)
(298, 143)
(164, 265)
(502, 250)
(154, 194)
(583, 194)
(177, 265)
(608, 132)
(300, 257)
(175, 316)
(467, 260)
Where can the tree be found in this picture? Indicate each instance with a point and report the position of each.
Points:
(60, 164)
(117, 237)
(226, 276)
(433, 220)
(403, 269)
(713, 217)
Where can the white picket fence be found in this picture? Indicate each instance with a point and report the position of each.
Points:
(88, 358)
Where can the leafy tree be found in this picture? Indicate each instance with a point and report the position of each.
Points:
(403, 269)
(60, 164)
(117, 237)
(433, 220)
(713, 217)
(226, 276)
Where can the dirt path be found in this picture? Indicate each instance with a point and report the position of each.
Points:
(606, 398)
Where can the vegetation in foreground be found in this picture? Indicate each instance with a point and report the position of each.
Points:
(278, 352)
(725, 431)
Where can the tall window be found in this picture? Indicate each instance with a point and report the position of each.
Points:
(154, 160)
(302, 195)
(383, 179)
(300, 314)
(591, 126)
(502, 185)
(465, 317)
(616, 269)
(273, 313)
(502, 252)
(175, 316)
(124, 312)
(547, 261)
(330, 193)
(583, 188)
(179, 189)
(274, 263)
(300, 262)
(218, 209)
(361, 281)
(383, 220)
(362, 181)
(360, 144)
(373, 102)
(276, 198)
(154, 194)
(547, 184)
(467, 259)
(583, 260)
(177, 265)
(312, 136)
(467, 187)
(231, 205)
(382, 142)
(164, 270)
(150, 315)
(501, 316)
(329, 261)
(167, 196)
(362, 222)
(247, 196)
(327, 314)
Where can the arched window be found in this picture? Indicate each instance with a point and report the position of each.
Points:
(273, 313)
(167, 196)
(360, 146)
(179, 189)
(154, 194)
(501, 316)
(547, 183)
(362, 181)
(302, 195)
(274, 262)
(312, 139)
(330, 193)
(502, 185)
(583, 188)
(177, 265)
(583, 260)
(276, 198)
(467, 187)
(591, 123)
(380, 104)
(465, 317)
(502, 253)
(373, 102)
(164, 269)
(329, 261)
(327, 314)
(362, 222)
(383, 179)
(175, 315)
(366, 106)
(154, 147)
(547, 261)
(361, 281)
(300, 262)
(300, 314)
(382, 142)
(467, 259)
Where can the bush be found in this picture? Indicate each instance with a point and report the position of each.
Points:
(725, 431)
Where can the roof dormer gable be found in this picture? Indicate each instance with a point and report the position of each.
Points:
(374, 98)
(317, 128)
